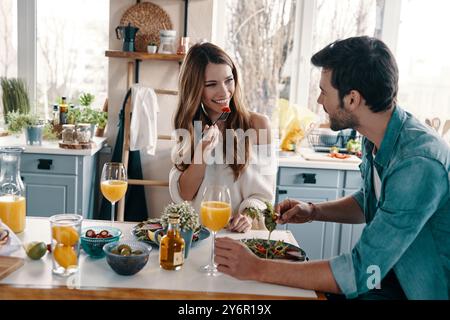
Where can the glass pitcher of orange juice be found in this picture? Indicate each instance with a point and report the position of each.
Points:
(12, 190)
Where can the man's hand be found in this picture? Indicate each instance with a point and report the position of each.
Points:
(293, 211)
(235, 259)
(240, 223)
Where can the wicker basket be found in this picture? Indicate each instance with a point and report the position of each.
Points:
(149, 18)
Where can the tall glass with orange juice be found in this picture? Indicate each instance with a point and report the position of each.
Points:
(215, 212)
(12, 190)
(113, 184)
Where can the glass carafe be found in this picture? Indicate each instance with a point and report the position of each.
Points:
(12, 190)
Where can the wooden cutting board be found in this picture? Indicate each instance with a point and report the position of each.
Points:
(316, 156)
(9, 264)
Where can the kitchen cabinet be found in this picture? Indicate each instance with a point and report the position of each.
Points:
(320, 240)
(59, 183)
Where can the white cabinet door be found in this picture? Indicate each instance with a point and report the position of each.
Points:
(320, 240)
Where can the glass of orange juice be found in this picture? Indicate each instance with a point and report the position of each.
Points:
(113, 184)
(215, 211)
(65, 230)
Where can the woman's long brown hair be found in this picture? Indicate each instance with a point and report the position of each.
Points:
(191, 85)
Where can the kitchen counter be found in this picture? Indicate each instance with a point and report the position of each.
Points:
(296, 160)
(96, 280)
(51, 147)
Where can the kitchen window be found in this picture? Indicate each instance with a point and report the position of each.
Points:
(59, 49)
(422, 55)
(411, 28)
(8, 38)
(8, 42)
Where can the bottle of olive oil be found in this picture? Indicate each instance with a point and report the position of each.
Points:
(63, 110)
(171, 246)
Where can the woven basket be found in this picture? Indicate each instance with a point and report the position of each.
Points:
(149, 18)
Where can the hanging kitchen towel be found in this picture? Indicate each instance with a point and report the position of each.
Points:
(143, 128)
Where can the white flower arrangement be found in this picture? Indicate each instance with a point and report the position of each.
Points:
(189, 219)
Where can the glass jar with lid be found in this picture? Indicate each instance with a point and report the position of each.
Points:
(84, 133)
(68, 133)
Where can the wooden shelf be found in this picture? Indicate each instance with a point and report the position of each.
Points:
(143, 55)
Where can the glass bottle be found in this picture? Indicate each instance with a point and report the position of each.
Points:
(55, 114)
(12, 190)
(171, 246)
(63, 110)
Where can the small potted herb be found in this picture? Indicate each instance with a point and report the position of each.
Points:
(30, 122)
(189, 221)
(152, 47)
(102, 120)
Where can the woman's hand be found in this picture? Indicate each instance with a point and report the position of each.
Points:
(293, 211)
(240, 223)
(207, 143)
(235, 259)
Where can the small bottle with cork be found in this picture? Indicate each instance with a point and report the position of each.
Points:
(172, 246)
(63, 110)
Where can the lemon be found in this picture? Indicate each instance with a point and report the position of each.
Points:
(65, 256)
(35, 250)
(65, 235)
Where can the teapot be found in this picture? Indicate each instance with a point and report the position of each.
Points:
(128, 35)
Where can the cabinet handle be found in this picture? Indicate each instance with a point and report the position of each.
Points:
(309, 178)
(282, 191)
(44, 164)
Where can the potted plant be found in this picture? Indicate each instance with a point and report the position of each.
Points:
(102, 120)
(14, 96)
(86, 99)
(189, 221)
(33, 126)
(88, 115)
(152, 47)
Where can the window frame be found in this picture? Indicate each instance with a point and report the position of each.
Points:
(26, 46)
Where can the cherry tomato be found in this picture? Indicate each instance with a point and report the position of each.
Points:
(226, 109)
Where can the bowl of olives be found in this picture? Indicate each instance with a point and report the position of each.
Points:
(94, 238)
(127, 257)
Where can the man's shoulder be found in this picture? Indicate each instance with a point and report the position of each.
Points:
(418, 140)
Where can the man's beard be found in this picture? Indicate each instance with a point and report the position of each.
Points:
(343, 120)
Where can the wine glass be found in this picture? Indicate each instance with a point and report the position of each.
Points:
(113, 183)
(215, 211)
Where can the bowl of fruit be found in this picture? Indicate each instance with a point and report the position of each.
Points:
(94, 238)
(127, 257)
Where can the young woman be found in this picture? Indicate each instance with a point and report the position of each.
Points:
(208, 85)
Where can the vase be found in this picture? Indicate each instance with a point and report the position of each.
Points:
(33, 135)
(187, 236)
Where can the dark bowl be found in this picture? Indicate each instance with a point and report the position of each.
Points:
(127, 265)
(94, 246)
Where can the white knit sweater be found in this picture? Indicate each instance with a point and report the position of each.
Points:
(255, 185)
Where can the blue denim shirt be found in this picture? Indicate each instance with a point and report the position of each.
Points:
(408, 228)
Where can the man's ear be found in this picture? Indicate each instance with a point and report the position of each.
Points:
(353, 100)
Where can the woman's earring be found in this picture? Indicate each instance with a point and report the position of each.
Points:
(203, 108)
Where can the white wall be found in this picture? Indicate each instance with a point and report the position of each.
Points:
(155, 74)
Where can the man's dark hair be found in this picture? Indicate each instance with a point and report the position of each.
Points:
(364, 64)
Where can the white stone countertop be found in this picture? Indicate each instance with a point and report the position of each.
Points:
(51, 147)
